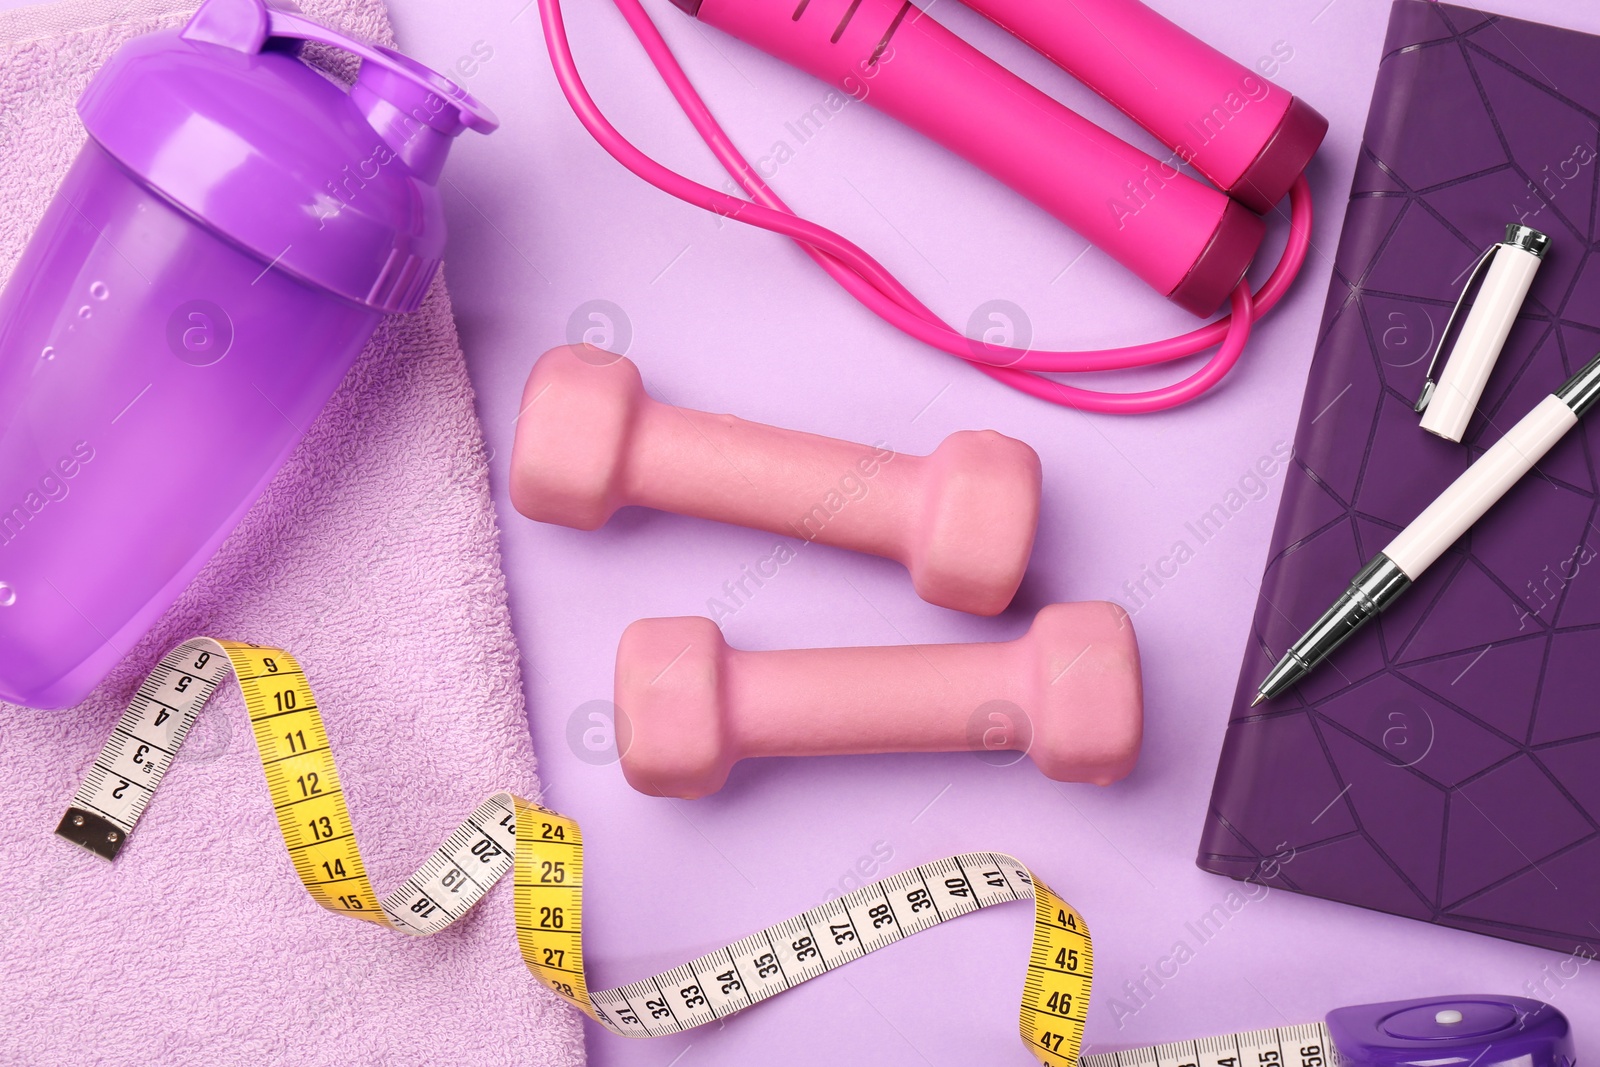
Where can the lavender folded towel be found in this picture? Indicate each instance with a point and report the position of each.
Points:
(374, 558)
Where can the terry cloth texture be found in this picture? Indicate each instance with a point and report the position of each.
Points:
(373, 558)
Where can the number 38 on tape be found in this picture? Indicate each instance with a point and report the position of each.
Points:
(544, 850)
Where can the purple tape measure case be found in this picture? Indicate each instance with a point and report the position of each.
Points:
(1483, 1031)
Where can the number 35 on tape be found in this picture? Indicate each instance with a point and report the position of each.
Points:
(544, 852)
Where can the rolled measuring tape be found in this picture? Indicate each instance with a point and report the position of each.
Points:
(544, 850)
(1459, 1031)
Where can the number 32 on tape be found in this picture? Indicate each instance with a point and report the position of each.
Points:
(544, 850)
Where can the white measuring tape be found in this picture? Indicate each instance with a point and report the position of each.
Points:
(1305, 1045)
(544, 850)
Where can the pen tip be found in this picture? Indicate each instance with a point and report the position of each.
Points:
(1259, 698)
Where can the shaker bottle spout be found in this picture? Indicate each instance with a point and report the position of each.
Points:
(414, 109)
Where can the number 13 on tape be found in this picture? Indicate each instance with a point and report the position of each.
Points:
(544, 852)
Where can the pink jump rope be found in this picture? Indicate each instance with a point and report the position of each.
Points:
(1190, 242)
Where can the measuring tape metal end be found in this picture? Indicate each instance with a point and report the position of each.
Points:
(93, 831)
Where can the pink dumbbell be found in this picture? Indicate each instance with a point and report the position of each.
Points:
(689, 707)
(589, 440)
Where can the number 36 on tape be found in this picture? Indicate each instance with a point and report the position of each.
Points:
(544, 850)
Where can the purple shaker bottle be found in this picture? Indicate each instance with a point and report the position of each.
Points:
(227, 240)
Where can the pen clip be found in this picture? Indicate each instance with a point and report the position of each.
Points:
(1474, 280)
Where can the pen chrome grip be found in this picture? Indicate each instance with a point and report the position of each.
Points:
(1416, 547)
(1374, 588)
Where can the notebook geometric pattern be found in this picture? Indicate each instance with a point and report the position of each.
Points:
(1445, 763)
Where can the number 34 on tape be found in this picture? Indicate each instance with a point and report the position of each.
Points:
(544, 852)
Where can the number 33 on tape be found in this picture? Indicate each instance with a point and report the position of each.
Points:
(544, 850)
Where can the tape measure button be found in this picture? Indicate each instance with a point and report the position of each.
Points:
(1462, 1019)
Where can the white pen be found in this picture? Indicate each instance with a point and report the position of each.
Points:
(1414, 549)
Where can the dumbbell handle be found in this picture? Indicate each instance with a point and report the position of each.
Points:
(836, 701)
(789, 482)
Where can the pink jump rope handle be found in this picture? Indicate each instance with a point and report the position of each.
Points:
(590, 440)
(689, 707)
(1237, 128)
(1188, 241)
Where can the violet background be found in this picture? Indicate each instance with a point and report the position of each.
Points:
(726, 318)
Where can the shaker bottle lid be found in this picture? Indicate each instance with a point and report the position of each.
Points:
(335, 186)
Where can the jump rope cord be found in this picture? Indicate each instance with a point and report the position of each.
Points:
(870, 282)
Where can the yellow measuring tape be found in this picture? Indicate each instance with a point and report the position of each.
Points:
(545, 850)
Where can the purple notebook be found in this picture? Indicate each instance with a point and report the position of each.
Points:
(1444, 764)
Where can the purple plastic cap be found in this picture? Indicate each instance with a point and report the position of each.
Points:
(1222, 265)
(1485, 1031)
(1282, 159)
(335, 187)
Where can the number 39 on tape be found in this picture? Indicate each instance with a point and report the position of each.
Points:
(544, 850)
